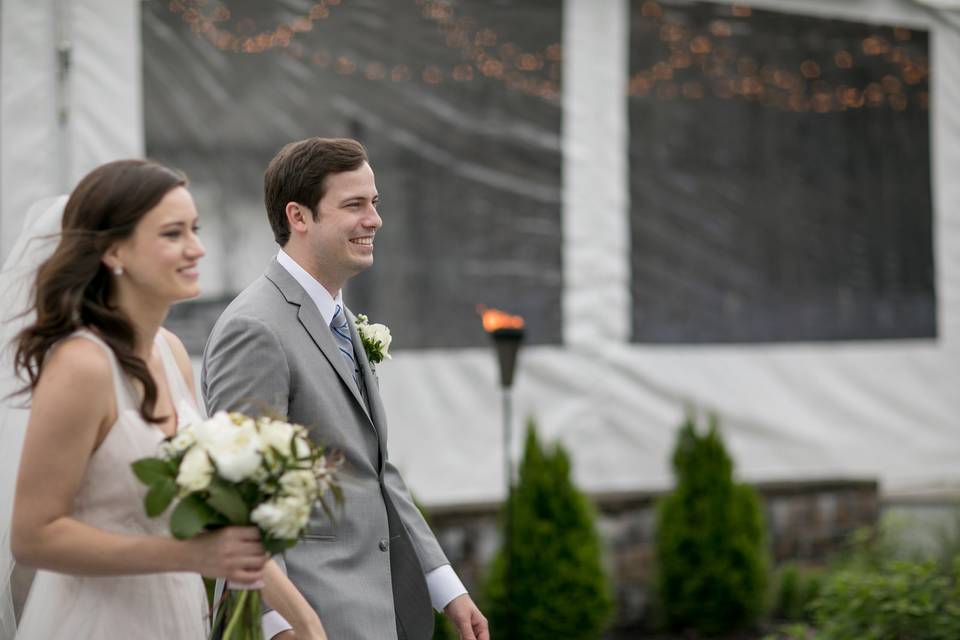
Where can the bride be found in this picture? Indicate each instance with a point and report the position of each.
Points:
(107, 383)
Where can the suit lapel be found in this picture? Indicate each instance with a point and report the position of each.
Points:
(377, 413)
(311, 320)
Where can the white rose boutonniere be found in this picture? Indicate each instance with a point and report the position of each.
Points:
(376, 339)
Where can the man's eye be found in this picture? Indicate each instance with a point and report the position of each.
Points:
(196, 228)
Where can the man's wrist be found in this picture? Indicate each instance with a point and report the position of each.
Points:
(273, 624)
(444, 586)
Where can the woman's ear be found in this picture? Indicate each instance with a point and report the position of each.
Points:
(111, 258)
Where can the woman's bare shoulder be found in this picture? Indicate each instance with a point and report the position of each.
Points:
(179, 353)
(81, 357)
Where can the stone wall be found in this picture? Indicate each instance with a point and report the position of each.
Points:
(807, 521)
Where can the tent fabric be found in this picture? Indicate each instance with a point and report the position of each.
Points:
(883, 408)
(70, 74)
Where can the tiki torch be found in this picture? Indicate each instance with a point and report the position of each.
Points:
(507, 333)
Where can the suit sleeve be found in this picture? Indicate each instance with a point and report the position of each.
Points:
(245, 369)
(424, 542)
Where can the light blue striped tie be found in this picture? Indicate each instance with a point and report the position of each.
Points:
(341, 332)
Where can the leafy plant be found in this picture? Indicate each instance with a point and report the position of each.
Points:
(903, 600)
(796, 589)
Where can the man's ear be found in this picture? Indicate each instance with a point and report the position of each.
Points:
(297, 215)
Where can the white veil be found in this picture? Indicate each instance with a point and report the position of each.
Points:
(37, 241)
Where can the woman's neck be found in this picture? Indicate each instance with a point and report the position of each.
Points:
(146, 316)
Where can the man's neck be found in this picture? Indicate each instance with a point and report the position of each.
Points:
(332, 285)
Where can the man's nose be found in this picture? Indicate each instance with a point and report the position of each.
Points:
(373, 219)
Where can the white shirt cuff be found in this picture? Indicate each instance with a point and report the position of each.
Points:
(273, 623)
(444, 585)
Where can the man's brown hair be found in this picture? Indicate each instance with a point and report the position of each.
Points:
(298, 174)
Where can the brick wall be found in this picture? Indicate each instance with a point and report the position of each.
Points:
(807, 521)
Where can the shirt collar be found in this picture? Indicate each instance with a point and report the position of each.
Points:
(326, 303)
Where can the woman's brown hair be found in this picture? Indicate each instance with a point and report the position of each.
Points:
(74, 288)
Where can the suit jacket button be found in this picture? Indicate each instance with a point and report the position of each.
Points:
(384, 545)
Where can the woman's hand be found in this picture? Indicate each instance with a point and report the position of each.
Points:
(234, 553)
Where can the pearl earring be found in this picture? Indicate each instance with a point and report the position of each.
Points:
(118, 270)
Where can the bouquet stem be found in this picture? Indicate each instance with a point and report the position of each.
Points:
(240, 612)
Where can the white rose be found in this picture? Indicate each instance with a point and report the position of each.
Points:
(195, 470)
(236, 450)
(184, 439)
(300, 483)
(166, 450)
(302, 447)
(214, 428)
(380, 333)
(283, 517)
(277, 435)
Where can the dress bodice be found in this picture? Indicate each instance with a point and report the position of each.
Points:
(155, 606)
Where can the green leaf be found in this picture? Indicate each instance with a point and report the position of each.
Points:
(274, 546)
(191, 517)
(159, 497)
(152, 470)
(226, 499)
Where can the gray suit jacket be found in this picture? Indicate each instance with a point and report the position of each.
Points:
(364, 571)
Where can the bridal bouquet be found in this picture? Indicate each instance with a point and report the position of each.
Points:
(232, 469)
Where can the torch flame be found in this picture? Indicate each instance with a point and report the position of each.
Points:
(494, 319)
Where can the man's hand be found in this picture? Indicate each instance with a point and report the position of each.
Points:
(470, 623)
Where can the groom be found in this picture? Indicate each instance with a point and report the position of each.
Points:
(288, 344)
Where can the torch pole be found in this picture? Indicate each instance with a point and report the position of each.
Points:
(508, 439)
(508, 514)
(507, 343)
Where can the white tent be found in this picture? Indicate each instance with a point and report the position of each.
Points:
(71, 98)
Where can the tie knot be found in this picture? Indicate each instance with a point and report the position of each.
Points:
(339, 320)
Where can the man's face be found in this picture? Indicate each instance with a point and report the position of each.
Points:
(341, 240)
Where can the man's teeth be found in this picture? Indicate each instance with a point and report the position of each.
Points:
(366, 241)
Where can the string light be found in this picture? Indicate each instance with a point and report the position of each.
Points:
(802, 89)
(538, 73)
(225, 39)
(502, 63)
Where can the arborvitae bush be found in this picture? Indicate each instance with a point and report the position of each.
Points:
(710, 542)
(557, 587)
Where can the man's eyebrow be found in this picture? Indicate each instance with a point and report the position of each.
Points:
(359, 197)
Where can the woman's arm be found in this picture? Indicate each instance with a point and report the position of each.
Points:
(72, 410)
(283, 597)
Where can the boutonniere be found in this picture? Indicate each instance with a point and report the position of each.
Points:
(376, 339)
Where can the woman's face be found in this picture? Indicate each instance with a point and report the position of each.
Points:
(160, 258)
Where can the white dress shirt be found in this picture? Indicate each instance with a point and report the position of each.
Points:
(443, 583)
